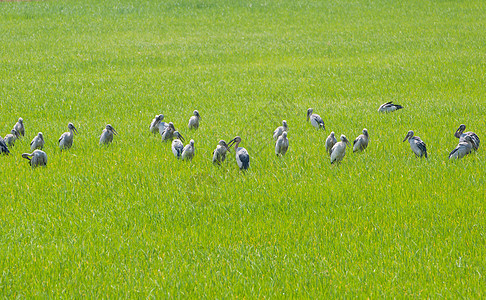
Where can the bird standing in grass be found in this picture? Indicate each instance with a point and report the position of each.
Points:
(315, 119)
(281, 129)
(36, 158)
(3, 147)
(154, 125)
(460, 134)
(19, 126)
(11, 137)
(194, 120)
(168, 133)
(37, 142)
(418, 146)
(339, 150)
(67, 138)
(189, 151)
(219, 154)
(177, 145)
(463, 148)
(242, 156)
(361, 142)
(330, 142)
(282, 144)
(389, 107)
(107, 135)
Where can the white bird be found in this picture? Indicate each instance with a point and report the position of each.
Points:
(242, 156)
(194, 121)
(282, 144)
(463, 148)
(66, 139)
(339, 150)
(11, 138)
(36, 158)
(361, 142)
(177, 146)
(417, 145)
(154, 125)
(19, 126)
(3, 147)
(37, 142)
(389, 107)
(168, 133)
(460, 134)
(107, 135)
(315, 119)
(281, 129)
(219, 154)
(189, 150)
(330, 142)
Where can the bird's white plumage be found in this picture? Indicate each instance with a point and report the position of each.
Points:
(330, 142)
(189, 151)
(194, 121)
(315, 119)
(389, 107)
(36, 158)
(281, 129)
(107, 135)
(66, 139)
(282, 144)
(416, 144)
(11, 138)
(37, 142)
(19, 127)
(361, 142)
(338, 151)
(154, 125)
(462, 149)
(219, 154)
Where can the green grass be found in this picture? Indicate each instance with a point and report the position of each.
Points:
(130, 221)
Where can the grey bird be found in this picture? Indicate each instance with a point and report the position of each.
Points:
(3, 147)
(11, 138)
(389, 107)
(19, 126)
(37, 142)
(315, 119)
(107, 135)
(339, 150)
(189, 151)
(219, 154)
(177, 145)
(282, 144)
(463, 148)
(66, 139)
(418, 146)
(460, 134)
(168, 133)
(242, 156)
(330, 142)
(361, 142)
(281, 129)
(36, 158)
(194, 120)
(154, 125)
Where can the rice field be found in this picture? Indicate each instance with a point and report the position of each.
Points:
(129, 220)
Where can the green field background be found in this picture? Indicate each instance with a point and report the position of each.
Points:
(129, 220)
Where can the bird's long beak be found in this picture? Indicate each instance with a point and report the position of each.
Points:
(114, 131)
(230, 144)
(26, 155)
(182, 138)
(75, 130)
(406, 137)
